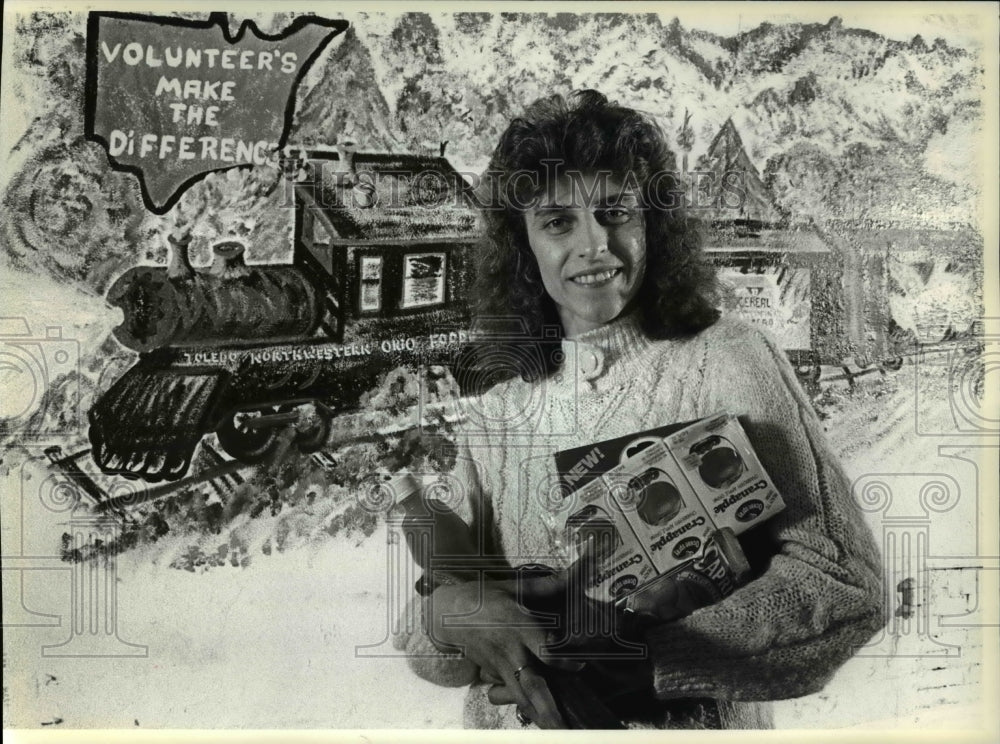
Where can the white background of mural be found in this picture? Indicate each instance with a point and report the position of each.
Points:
(266, 637)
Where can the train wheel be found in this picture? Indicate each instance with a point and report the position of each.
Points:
(313, 435)
(244, 442)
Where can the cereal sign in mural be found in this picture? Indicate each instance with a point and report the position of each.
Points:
(172, 100)
(777, 299)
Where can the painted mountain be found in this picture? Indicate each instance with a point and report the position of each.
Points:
(837, 123)
(841, 122)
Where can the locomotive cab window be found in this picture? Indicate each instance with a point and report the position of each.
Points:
(423, 279)
(371, 283)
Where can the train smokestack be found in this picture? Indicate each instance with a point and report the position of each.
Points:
(179, 260)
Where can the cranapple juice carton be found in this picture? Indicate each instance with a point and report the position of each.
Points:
(715, 572)
(597, 534)
(723, 470)
(660, 506)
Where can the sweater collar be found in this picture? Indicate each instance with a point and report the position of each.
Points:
(603, 351)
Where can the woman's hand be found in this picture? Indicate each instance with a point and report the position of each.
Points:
(587, 627)
(498, 635)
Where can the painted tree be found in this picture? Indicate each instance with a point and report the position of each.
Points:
(685, 139)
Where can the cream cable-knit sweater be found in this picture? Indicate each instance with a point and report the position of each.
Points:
(781, 636)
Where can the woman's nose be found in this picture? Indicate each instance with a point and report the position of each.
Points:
(594, 241)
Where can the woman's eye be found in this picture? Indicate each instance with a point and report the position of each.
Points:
(557, 225)
(615, 216)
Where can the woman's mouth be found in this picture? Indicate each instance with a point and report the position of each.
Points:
(596, 278)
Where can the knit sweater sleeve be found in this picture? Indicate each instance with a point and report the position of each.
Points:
(785, 633)
(468, 500)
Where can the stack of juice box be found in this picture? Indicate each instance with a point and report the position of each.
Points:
(665, 505)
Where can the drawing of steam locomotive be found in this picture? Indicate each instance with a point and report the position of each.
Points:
(378, 279)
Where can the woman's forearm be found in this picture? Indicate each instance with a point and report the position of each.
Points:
(821, 596)
(782, 636)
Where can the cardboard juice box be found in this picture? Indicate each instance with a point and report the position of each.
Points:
(722, 468)
(660, 506)
(713, 573)
(596, 531)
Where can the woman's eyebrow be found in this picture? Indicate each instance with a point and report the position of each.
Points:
(621, 196)
(624, 195)
(543, 209)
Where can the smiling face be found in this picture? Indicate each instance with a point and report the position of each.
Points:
(588, 235)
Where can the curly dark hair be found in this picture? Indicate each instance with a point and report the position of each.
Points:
(588, 133)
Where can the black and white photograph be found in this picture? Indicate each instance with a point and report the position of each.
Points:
(380, 367)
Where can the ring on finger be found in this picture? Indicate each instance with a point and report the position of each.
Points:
(521, 718)
(517, 672)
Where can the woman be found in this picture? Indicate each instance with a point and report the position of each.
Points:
(586, 240)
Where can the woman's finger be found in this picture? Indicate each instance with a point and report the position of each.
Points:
(518, 662)
(488, 674)
(535, 689)
(528, 588)
(555, 656)
(501, 695)
(548, 649)
(541, 586)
